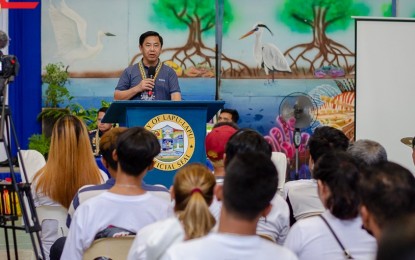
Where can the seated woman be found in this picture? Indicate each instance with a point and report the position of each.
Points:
(193, 193)
(337, 233)
(70, 166)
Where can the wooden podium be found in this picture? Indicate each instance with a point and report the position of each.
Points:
(180, 127)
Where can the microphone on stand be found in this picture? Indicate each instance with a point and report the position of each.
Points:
(151, 72)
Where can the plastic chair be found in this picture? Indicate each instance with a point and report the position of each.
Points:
(110, 247)
(280, 161)
(59, 213)
(33, 161)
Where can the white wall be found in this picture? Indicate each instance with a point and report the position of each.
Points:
(385, 87)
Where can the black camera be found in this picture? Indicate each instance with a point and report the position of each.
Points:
(9, 66)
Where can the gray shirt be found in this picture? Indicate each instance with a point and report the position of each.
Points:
(166, 82)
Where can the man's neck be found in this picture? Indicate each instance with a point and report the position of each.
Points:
(148, 63)
(233, 225)
(219, 171)
(128, 185)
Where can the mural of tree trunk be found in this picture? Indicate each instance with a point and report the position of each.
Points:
(320, 18)
(198, 18)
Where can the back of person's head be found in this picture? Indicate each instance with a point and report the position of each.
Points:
(338, 171)
(387, 190)
(250, 183)
(326, 139)
(103, 109)
(233, 112)
(367, 152)
(193, 193)
(246, 140)
(148, 34)
(215, 143)
(136, 149)
(231, 124)
(71, 163)
(398, 240)
(108, 143)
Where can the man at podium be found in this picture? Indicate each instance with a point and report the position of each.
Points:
(149, 79)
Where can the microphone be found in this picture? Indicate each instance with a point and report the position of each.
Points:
(151, 72)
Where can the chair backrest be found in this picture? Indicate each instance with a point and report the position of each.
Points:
(54, 212)
(111, 247)
(33, 161)
(280, 162)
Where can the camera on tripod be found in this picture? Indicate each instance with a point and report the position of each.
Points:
(9, 66)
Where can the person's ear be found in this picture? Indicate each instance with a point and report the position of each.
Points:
(365, 215)
(151, 166)
(104, 162)
(266, 211)
(115, 155)
(218, 192)
(224, 159)
(172, 195)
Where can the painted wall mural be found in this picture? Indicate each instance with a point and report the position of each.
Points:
(269, 50)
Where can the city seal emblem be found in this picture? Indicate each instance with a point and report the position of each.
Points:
(176, 139)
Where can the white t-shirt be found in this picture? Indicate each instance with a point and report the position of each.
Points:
(304, 198)
(108, 209)
(310, 238)
(152, 241)
(277, 223)
(275, 226)
(219, 246)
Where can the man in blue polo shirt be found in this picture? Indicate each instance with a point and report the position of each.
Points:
(148, 79)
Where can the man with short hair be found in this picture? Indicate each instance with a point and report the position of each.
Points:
(367, 152)
(96, 134)
(302, 195)
(126, 205)
(387, 192)
(276, 225)
(228, 115)
(148, 79)
(107, 147)
(236, 237)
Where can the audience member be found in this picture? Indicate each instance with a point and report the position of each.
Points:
(387, 192)
(215, 143)
(126, 205)
(236, 237)
(301, 195)
(336, 233)
(149, 79)
(398, 240)
(107, 147)
(228, 115)
(70, 166)
(367, 152)
(276, 225)
(96, 134)
(193, 192)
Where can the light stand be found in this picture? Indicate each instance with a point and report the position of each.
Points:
(21, 190)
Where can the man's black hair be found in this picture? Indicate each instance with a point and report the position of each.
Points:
(233, 112)
(136, 149)
(246, 140)
(250, 183)
(150, 33)
(326, 139)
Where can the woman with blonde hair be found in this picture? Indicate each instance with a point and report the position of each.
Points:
(70, 166)
(193, 193)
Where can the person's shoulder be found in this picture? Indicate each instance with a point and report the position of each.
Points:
(271, 248)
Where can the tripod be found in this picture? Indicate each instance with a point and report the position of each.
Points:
(16, 191)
